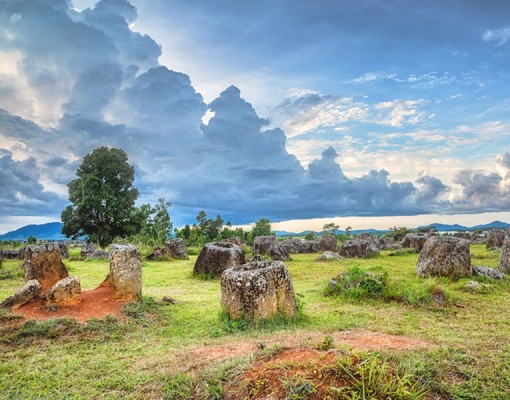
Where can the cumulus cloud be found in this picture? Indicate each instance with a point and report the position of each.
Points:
(85, 79)
(497, 37)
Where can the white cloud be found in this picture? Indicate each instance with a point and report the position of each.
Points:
(497, 37)
(396, 113)
(426, 80)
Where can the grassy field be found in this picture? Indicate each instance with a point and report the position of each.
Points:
(150, 352)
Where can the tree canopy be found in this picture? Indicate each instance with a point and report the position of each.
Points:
(102, 198)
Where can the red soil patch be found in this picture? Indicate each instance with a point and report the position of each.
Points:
(95, 303)
(268, 378)
(358, 340)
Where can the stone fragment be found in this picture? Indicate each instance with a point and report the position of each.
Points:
(329, 256)
(444, 256)
(158, 252)
(64, 293)
(44, 263)
(29, 291)
(257, 290)
(488, 272)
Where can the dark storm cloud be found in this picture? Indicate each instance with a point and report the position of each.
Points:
(21, 193)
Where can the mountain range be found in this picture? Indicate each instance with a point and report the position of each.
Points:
(53, 230)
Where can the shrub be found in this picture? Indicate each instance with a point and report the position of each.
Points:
(357, 284)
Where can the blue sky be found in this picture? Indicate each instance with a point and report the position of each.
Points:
(279, 109)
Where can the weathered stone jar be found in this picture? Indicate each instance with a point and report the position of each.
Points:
(216, 257)
(125, 277)
(444, 256)
(257, 290)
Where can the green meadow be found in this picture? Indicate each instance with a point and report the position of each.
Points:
(155, 349)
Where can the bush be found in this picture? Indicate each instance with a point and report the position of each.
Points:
(357, 284)
(427, 292)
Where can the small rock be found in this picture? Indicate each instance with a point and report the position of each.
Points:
(329, 256)
(167, 299)
(29, 291)
(158, 252)
(488, 272)
(474, 286)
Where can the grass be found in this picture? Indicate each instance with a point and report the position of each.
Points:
(142, 354)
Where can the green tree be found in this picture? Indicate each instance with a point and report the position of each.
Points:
(102, 198)
(398, 233)
(310, 235)
(156, 224)
(330, 228)
(31, 240)
(262, 228)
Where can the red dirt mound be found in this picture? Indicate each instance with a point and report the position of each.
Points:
(95, 303)
(358, 340)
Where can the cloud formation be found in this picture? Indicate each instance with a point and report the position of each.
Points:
(497, 37)
(79, 80)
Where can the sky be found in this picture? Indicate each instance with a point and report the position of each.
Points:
(361, 112)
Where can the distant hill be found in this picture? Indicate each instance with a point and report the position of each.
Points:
(53, 230)
(460, 228)
(49, 231)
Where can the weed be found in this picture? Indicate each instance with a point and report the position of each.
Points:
(327, 343)
(140, 310)
(372, 377)
(298, 389)
(211, 383)
(179, 387)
